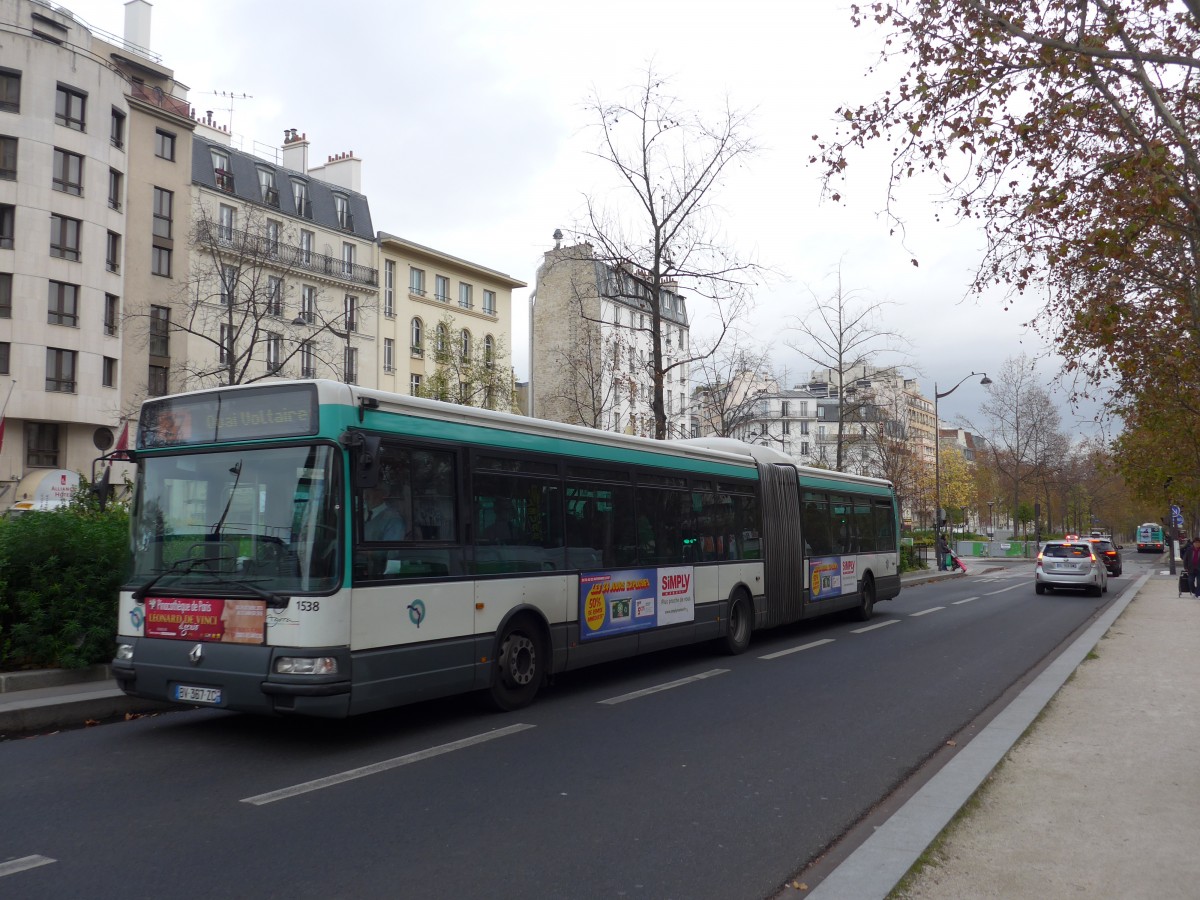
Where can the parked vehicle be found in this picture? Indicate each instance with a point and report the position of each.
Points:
(1109, 553)
(1070, 564)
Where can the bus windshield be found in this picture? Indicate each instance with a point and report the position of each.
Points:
(264, 518)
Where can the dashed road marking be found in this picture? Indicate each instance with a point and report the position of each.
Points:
(612, 701)
(964, 600)
(376, 768)
(13, 866)
(780, 653)
(1002, 590)
(925, 612)
(876, 625)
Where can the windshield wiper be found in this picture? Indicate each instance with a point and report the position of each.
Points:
(187, 566)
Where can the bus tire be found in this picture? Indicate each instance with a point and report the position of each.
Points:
(521, 662)
(741, 623)
(866, 608)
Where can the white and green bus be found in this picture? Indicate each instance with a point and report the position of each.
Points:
(512, 549)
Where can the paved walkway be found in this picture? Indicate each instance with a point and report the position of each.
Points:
(1099, 799)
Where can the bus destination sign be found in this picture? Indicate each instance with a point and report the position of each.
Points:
(237, 415)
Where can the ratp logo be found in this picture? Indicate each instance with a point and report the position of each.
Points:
(416, 612)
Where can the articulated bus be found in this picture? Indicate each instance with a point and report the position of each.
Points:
(515, 548)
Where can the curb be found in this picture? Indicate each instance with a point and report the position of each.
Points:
(44, 678)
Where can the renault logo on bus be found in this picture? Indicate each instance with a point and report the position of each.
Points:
(196, 654)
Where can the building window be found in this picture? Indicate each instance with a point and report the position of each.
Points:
(347, 258)
(804, 448)
(351, 365)
(308, 368)
(306, 247)
(274, 352)
(222, 173)
(273, 230)
(341, 206)
(60, 370)
(69, 108)
(160, 261)
(112, 252)
(441, 338)
(112, 314)
(164, 144)
(41, 445)
(489, 302)
(164, 203)
(416, 337)
(226, 343)
(351, 310)
(300, 198)
(8, 158)
(157, 381)
(117, 134)
(108, 376)
(160, 331)
(10, 90)
(308, 303)
(466, 345)
(441, 288)
(227, 221)
(274, 295)
(5, 350)
(464, 295)
(416, 281)
(389, 288)
(5, 295)
(68, 172)
(414, 385)
(64, 237)
(8, 221)
(389, 355)
(489, 351)
(229, 280)
(266, 184)
(115, 180)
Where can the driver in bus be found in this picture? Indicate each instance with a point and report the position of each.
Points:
(385, 520)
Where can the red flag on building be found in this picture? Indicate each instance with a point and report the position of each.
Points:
(122, 441)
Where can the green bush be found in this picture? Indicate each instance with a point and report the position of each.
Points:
(59, 576)
(910, 559)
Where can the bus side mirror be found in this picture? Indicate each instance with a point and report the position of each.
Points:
(365, 448)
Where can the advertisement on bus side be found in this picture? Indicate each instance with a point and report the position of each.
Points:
(628, 600)
(197, 619)
(832, 576)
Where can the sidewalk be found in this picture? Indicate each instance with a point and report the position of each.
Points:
(48, 699)
(1098, 799)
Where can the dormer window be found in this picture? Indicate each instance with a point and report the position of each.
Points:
(266, 184)
(300, 197)
(222, 170)
(341, 205)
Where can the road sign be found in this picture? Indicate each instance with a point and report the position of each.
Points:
(1175, 511)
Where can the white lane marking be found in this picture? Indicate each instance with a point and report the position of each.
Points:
(925, 612)
(13, 866)
(964, 600)
(376, 768)
(780, 653)
(612, 701)
(867, 628)
(1002, 590)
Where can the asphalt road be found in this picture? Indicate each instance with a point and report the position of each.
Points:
(686, 774)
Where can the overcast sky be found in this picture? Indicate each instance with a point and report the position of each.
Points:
(469, 118)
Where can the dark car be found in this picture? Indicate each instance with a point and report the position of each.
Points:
(1109, 552)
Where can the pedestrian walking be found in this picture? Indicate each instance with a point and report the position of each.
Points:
(943, 551)
(1191, 565)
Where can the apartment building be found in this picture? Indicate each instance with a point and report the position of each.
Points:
(591, 346)
(440, 311)
(78, 112)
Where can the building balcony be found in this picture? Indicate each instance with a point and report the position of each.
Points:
(286, 256)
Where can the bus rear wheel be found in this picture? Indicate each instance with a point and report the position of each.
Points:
(520, 666)
(866, 608)
(741, 623)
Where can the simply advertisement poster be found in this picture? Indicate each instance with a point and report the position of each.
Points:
(832, 576)
(633, 600)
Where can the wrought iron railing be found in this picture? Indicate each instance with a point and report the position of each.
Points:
(288, 255)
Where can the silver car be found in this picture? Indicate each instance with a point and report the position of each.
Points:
(1070, 564)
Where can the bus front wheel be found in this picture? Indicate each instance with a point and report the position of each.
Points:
(867, 607)
(520, 666)
(741, 623)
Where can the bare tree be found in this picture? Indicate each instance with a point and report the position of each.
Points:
(843, 335)
(668, 239)
(238, 311)
(466, 370)
(730, 385)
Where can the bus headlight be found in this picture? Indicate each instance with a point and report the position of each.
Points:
(124, 651)
(306, 665)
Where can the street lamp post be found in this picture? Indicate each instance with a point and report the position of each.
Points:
(991, 518)
(937, 456)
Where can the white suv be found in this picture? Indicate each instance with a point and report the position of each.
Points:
(1070, 564)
